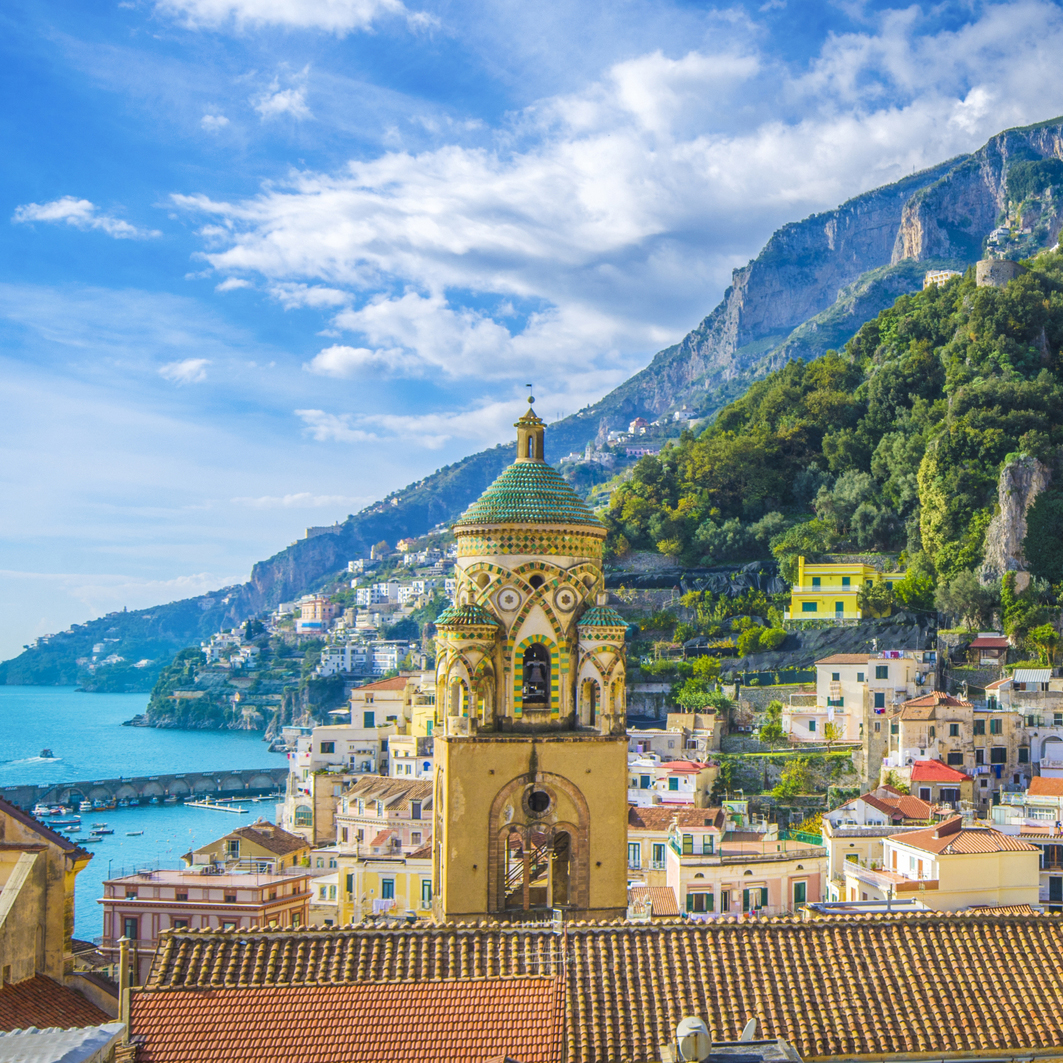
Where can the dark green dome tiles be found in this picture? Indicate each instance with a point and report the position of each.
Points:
(601, 616)
(529, 492)
(466, 616)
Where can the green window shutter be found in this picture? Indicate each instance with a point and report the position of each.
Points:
(350, 883)
(764, 897)
(745, 900)
(690, 902)
(710, 902)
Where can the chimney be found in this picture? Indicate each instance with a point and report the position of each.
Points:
(950, 826)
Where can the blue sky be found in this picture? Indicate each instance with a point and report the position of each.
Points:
(266, 260)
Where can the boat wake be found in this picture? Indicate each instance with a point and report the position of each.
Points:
(29, 760)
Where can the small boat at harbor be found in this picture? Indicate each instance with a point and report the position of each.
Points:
(133, 833)
(87, 841)
(73, 829)
(102, 830)
(47, 754)
(85, 806)
(64, 821)
(99, 824)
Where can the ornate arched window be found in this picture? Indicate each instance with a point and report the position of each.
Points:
(536, 673)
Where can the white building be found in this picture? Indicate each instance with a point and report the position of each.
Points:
(352, 657)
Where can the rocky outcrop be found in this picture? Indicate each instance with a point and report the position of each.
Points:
(1021, 481)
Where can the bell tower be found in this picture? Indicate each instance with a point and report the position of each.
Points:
(531, 748)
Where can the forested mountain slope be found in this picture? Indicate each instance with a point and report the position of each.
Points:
(814, 284)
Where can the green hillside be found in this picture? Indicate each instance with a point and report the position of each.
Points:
(893, 444)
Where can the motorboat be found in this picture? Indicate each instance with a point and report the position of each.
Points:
(99, 824)
(85, 806)
(65, 821)
(103, 830)
(133, 833)
(87, 841)
(47, 754)
(170, 800)
(73, 829)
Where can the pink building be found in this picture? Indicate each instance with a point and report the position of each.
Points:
(142, 906)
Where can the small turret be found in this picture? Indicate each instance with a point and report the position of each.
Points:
(530, 430)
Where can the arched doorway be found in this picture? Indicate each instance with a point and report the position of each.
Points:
(537, 868)
(589, 702)
(535, 689)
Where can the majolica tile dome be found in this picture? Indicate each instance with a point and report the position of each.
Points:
(529, 508)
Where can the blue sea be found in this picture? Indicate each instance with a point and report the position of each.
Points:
(85, 733)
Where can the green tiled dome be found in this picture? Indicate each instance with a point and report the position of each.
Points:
(601, 616)
(529, 492)
(465, 616)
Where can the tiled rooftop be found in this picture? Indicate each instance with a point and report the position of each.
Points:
(270, 837)
(601, 616)
(395, 793)
(872, 985)
(42, 1002)
(469, 615)
(661, 817)
(529, 492)
(662, 898)
(951, 837)
(935, 771)
(1042, 786)
(425, 1022)
(845, 658)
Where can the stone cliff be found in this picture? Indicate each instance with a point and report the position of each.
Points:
(1021, 481)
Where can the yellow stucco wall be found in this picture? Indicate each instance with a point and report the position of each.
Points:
(832, 589)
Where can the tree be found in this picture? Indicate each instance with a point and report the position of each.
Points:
(811, 537)
(749, 641)
(796, 778)
(832, 733)
(875, 598)
(965, 598)
(771, 730)
(1045, 639)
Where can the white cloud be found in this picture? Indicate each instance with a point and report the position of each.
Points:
(301, 500)
(275, 101)
(330, 427)
(186, 371)
(341, 361)
(82, 214)
(333, 16)
(293, 296)
(213, 122)
(232, 284)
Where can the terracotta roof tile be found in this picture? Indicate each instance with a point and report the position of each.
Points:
(42, 1002)
(1041, 786)
(442, 1022)
(899, 807)
(935, 771)
(397, 682)
(661, 817)
(950, 837)
(270, 837)
(395, 793)
(971, 983)
(661, 897)
(994, 642)
(845, 658)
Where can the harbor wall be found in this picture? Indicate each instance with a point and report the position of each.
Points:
(229, 782)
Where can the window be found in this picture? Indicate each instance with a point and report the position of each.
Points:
(361, 807)
(811, 725)
(296, 920)
(835, 676)
(658, 855)
(343, 833)
(181, 896)
(426, 893)
(955, 760)
(998, 755)
(415, 837)
(924, 793)
(954, 730)
(839, 607)
(369, 718)
(415, 810)
(228, 926)
(815, 581)
(328, 747)
(979, 756)
(1057, 719)
(644, 782)
(129, 928)
(304, 817)
(950, 796)
(852, 858)
(996, 727)
(230, 898)
(878, 727)
(380, 808)
(688, 844)
(700, 902)
(979, 727)
(634, 855)
(673, 783)
(130, 894)
(880, 699)
(180, 924)
(800, 893)
(932, 732)
(387, 889)
(859, 677)
(846, 581)
(1024, 754)
(895, 728)
(882, 671)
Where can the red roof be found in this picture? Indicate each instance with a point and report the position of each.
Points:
(990, 642)
(662, 898)
(397, 682)
(442, 1021)
(684, 767)
(1040, 786)
(42, 1002)
(951, 837)
(935, 771)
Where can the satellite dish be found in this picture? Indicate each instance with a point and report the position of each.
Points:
(692, 1039)
(749, 1031)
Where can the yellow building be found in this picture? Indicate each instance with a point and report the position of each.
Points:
(259, 846)
(385, 885)
(531, 748)
(950, 867)
(828, 591)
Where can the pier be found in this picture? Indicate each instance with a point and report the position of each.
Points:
(229, 782)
